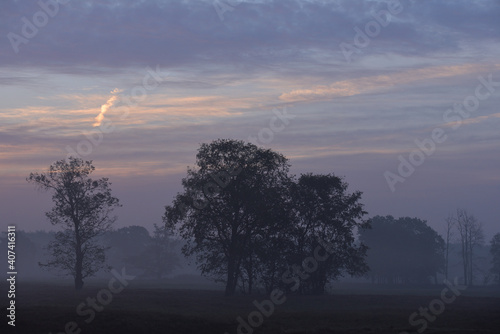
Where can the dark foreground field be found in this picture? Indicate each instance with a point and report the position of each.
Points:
(45, 308)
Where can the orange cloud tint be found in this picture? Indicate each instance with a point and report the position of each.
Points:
(375, 83)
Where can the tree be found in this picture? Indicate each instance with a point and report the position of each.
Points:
(227, 207)
(150, 256)
(403, 250)
(161, 257)
(450, 222)
(325, 212)
(120, 252)
(83, 207)
(471, 235)
(495, 253)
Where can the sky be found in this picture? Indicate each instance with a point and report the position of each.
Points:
(400, 98)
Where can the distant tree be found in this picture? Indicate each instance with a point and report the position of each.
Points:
(450, 223)
(150, 255)
(404, 250)
(471, 235)
(325, 213)
(495, 253)
(120, 252)
(83, 207)
(161, 257)
(227, 207)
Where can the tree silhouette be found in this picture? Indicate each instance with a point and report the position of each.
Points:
(325, 213)
(251, 224)
(404, 250)
(83, 207)
(152, 255)
(471, 236)
(120, 253)
(160, 257)
(450, 223)
(227, 206)
(495, 253)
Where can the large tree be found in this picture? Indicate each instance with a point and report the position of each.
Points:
(326, 213)
(229, 205)
(83, 208)
(403, 250)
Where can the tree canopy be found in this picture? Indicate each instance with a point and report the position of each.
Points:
(403, 250)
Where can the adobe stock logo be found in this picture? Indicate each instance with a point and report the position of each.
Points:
(29, 29)
(436, 306)
(372, 29)
(277, 124)
(454, 118)
(225, 6)
(116, 285)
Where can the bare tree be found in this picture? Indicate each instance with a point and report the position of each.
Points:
(495, 253)
(450, 222)
(471, 235)
(83, 207)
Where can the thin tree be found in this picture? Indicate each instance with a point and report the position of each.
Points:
(450, 222)
(495, 261)
(471, 235)
(83, 208)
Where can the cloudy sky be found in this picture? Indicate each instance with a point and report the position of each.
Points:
(399, 97)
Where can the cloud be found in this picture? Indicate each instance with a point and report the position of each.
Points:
(370, 84)
(106, 106)
(107, 33)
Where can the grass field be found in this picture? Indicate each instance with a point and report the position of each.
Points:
(149, 307)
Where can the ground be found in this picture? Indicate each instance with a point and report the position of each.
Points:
(149, 307)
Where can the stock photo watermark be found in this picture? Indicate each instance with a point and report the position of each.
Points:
(223, 6)
(297, 274)
(426, 147)
(372, 29)
(30, 28)
(436, 306)
(12, 274)
(104, 297)
(266, 134)
(211, 189)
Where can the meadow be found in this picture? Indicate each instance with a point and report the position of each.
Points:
(168, 307)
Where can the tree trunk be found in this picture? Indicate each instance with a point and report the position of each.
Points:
(447, 254)
(231, 278)
(250, 275)
(78, 272)
(79, 259)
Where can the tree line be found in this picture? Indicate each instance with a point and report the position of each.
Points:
(145, 254)
(250, 224)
